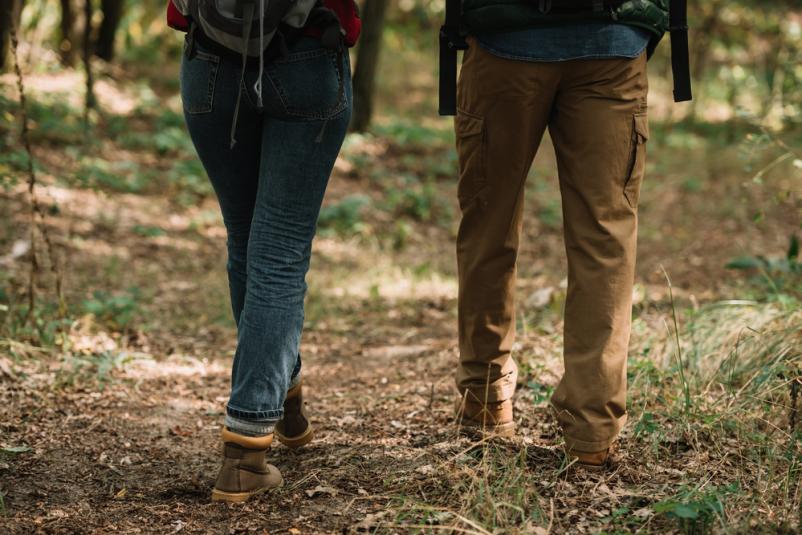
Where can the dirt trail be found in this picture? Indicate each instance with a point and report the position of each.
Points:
(129, 444)
(140, 454)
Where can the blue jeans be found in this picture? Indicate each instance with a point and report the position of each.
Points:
(270, 186)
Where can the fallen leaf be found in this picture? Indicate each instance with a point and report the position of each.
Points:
(643, 512)
(425, 469)
(6, 369)
(371, 521)
(320, 489)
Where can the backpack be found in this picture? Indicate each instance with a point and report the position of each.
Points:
(657, 16)
(246, 27)
(249, 27)
(346, 10)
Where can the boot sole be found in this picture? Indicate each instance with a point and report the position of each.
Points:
(298, 441)
(474, 431)
(240, 497)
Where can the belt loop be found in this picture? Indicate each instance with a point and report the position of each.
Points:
(545, 6)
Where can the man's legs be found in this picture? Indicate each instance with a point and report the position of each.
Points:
(599, 130)
(503, 110)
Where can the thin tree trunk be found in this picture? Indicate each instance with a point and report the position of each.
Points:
(67, 33)
(89, 97)
(701, 49)
(10, 10)
(367, 62)
(112, 14)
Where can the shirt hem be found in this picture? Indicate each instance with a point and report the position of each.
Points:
(538, 59)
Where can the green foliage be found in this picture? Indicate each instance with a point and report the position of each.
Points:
(12, 162)
(344, 217)
(102, 174)
(779, 277)
(695, 511)
(188, 181)
(114, 309)
(148, 231)
(50, 117)
(94, 368)
(541, 394)
(420, 201)
(411, 133)
(43, 328)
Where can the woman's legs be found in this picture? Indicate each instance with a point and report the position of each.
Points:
(293, 178)
(270, 186)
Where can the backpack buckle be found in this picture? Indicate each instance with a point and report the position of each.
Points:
(452, 39)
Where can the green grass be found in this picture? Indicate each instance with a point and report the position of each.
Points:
(722, 433)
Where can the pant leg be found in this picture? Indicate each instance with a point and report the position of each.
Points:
(503, 110)
(209, 91)
(599, 130)
(302, 134)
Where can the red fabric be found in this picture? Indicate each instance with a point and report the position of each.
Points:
(346, 11)
(175, 19)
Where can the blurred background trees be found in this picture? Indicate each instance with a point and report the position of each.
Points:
(745, 54)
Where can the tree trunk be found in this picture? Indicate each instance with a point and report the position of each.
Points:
(367, 62)
(10, 10)
(67, 33)
(112, 14)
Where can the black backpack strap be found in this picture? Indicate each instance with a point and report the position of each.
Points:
(451, 40)
(680, 56)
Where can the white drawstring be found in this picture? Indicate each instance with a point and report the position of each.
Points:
(257, 87)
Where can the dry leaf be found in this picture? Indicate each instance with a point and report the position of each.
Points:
(320, 489)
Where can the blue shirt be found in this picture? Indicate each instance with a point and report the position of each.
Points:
(592, 40)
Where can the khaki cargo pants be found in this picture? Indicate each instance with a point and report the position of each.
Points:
(595, 111)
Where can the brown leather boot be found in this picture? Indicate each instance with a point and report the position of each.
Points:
(475, 418)
(294, 430)
(595, 461)
(244, 473)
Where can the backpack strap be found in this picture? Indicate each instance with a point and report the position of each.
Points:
(451, 40)
(680, 56)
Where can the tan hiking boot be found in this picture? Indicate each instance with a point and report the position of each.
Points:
(294, 430)
(244, 473)
(485, 419)
(595, 461)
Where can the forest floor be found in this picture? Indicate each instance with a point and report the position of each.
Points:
(110, 415)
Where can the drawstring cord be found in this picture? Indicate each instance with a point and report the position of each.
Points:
(246, 38)
(248, 15)
(340, 91)
(257, 87)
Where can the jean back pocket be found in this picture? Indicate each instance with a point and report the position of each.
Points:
(198, 78)
(311, 83)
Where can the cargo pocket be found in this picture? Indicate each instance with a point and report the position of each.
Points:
(470, 133)
(637, 159)
(198, 78)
